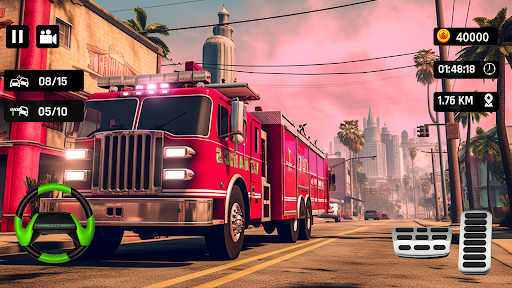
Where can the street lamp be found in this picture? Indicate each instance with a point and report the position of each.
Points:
(362, 157)
(373, 157)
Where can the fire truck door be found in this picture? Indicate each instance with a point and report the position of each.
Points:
(256, 169)
(265, 187)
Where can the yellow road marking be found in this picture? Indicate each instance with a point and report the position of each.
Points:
(226, 266)
(252, 269)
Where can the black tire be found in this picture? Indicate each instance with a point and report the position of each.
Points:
(219, 241)
(105, 242)
(306, 223)
(337, 219)
(269, 227)
(288, 230)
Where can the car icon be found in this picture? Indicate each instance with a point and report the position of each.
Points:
(18, 82)
(23, 81)
(15, 83)
(23, 111)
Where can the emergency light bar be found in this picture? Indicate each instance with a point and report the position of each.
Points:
(182, 77)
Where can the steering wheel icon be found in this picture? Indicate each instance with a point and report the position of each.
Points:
(54, 223)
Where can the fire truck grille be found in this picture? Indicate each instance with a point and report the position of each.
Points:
(128, 162)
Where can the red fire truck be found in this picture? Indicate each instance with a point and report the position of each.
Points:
(171, 154)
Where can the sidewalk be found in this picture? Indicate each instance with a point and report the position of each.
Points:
(501, 239)
(9, 243)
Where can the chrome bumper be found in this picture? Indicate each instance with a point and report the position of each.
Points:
(138, 211)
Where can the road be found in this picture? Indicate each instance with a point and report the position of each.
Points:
(345, 254)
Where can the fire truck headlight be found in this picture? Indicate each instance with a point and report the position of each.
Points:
(76, 175)
(179, 152)
(178, 174)
(77, 154)
(151, 86)
(139, 87)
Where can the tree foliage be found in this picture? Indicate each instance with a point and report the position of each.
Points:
(424, 62)
(351, 136)
(140, 25)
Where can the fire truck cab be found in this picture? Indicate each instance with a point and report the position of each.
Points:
(170, 154)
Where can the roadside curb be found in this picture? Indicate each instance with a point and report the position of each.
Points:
(13, 248)
(16, 248)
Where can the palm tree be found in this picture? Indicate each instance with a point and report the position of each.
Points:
(352, 137)
(139, 25)
(466, 118)
(425, 186)
(484, 144)
(497, 53)
(424, 62)
(413, 151)
(405, 180)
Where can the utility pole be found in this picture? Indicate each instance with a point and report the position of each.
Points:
(453, 163)
(434, 180)
(443, 184)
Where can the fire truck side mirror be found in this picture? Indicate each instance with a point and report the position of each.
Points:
(237, 121)
(68, 128)
(333, 178)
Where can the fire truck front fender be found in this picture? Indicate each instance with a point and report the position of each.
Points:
(300, 200)
(237, 180)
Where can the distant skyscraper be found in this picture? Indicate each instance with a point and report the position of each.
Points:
(374, 168)
(219, 51)
(392, 152)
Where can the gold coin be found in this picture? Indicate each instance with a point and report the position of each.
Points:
(443, 35)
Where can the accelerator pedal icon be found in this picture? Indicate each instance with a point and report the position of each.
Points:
(422, 242)
(475, 242)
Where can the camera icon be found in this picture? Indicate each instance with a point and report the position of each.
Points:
(47, 36)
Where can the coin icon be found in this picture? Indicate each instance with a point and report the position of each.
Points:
(443, 35)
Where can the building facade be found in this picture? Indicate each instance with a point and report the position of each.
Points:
(91, 39)
(392, 153)
(343, 194)
(375, 169)
(219, 51)
(479, 175)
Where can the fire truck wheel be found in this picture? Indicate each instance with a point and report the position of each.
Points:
(288, 230)
(224, 242)
(269, 227)
(305, 223)
(105, 242)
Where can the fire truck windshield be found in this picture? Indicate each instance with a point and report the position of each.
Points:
(178, 115)
(107, 115)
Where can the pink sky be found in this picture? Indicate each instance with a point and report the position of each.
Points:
(380, 28)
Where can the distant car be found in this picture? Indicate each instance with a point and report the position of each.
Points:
(399, 216)
(385, 217)
(373, 214)
(333, 212)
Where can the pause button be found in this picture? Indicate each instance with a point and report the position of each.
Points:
(17, 36)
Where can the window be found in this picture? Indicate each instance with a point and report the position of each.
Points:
(53, 125)
(188, 115)
(256, 139)
(64, 33)
(222, 121)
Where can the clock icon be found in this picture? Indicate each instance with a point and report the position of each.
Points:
(489, 69)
